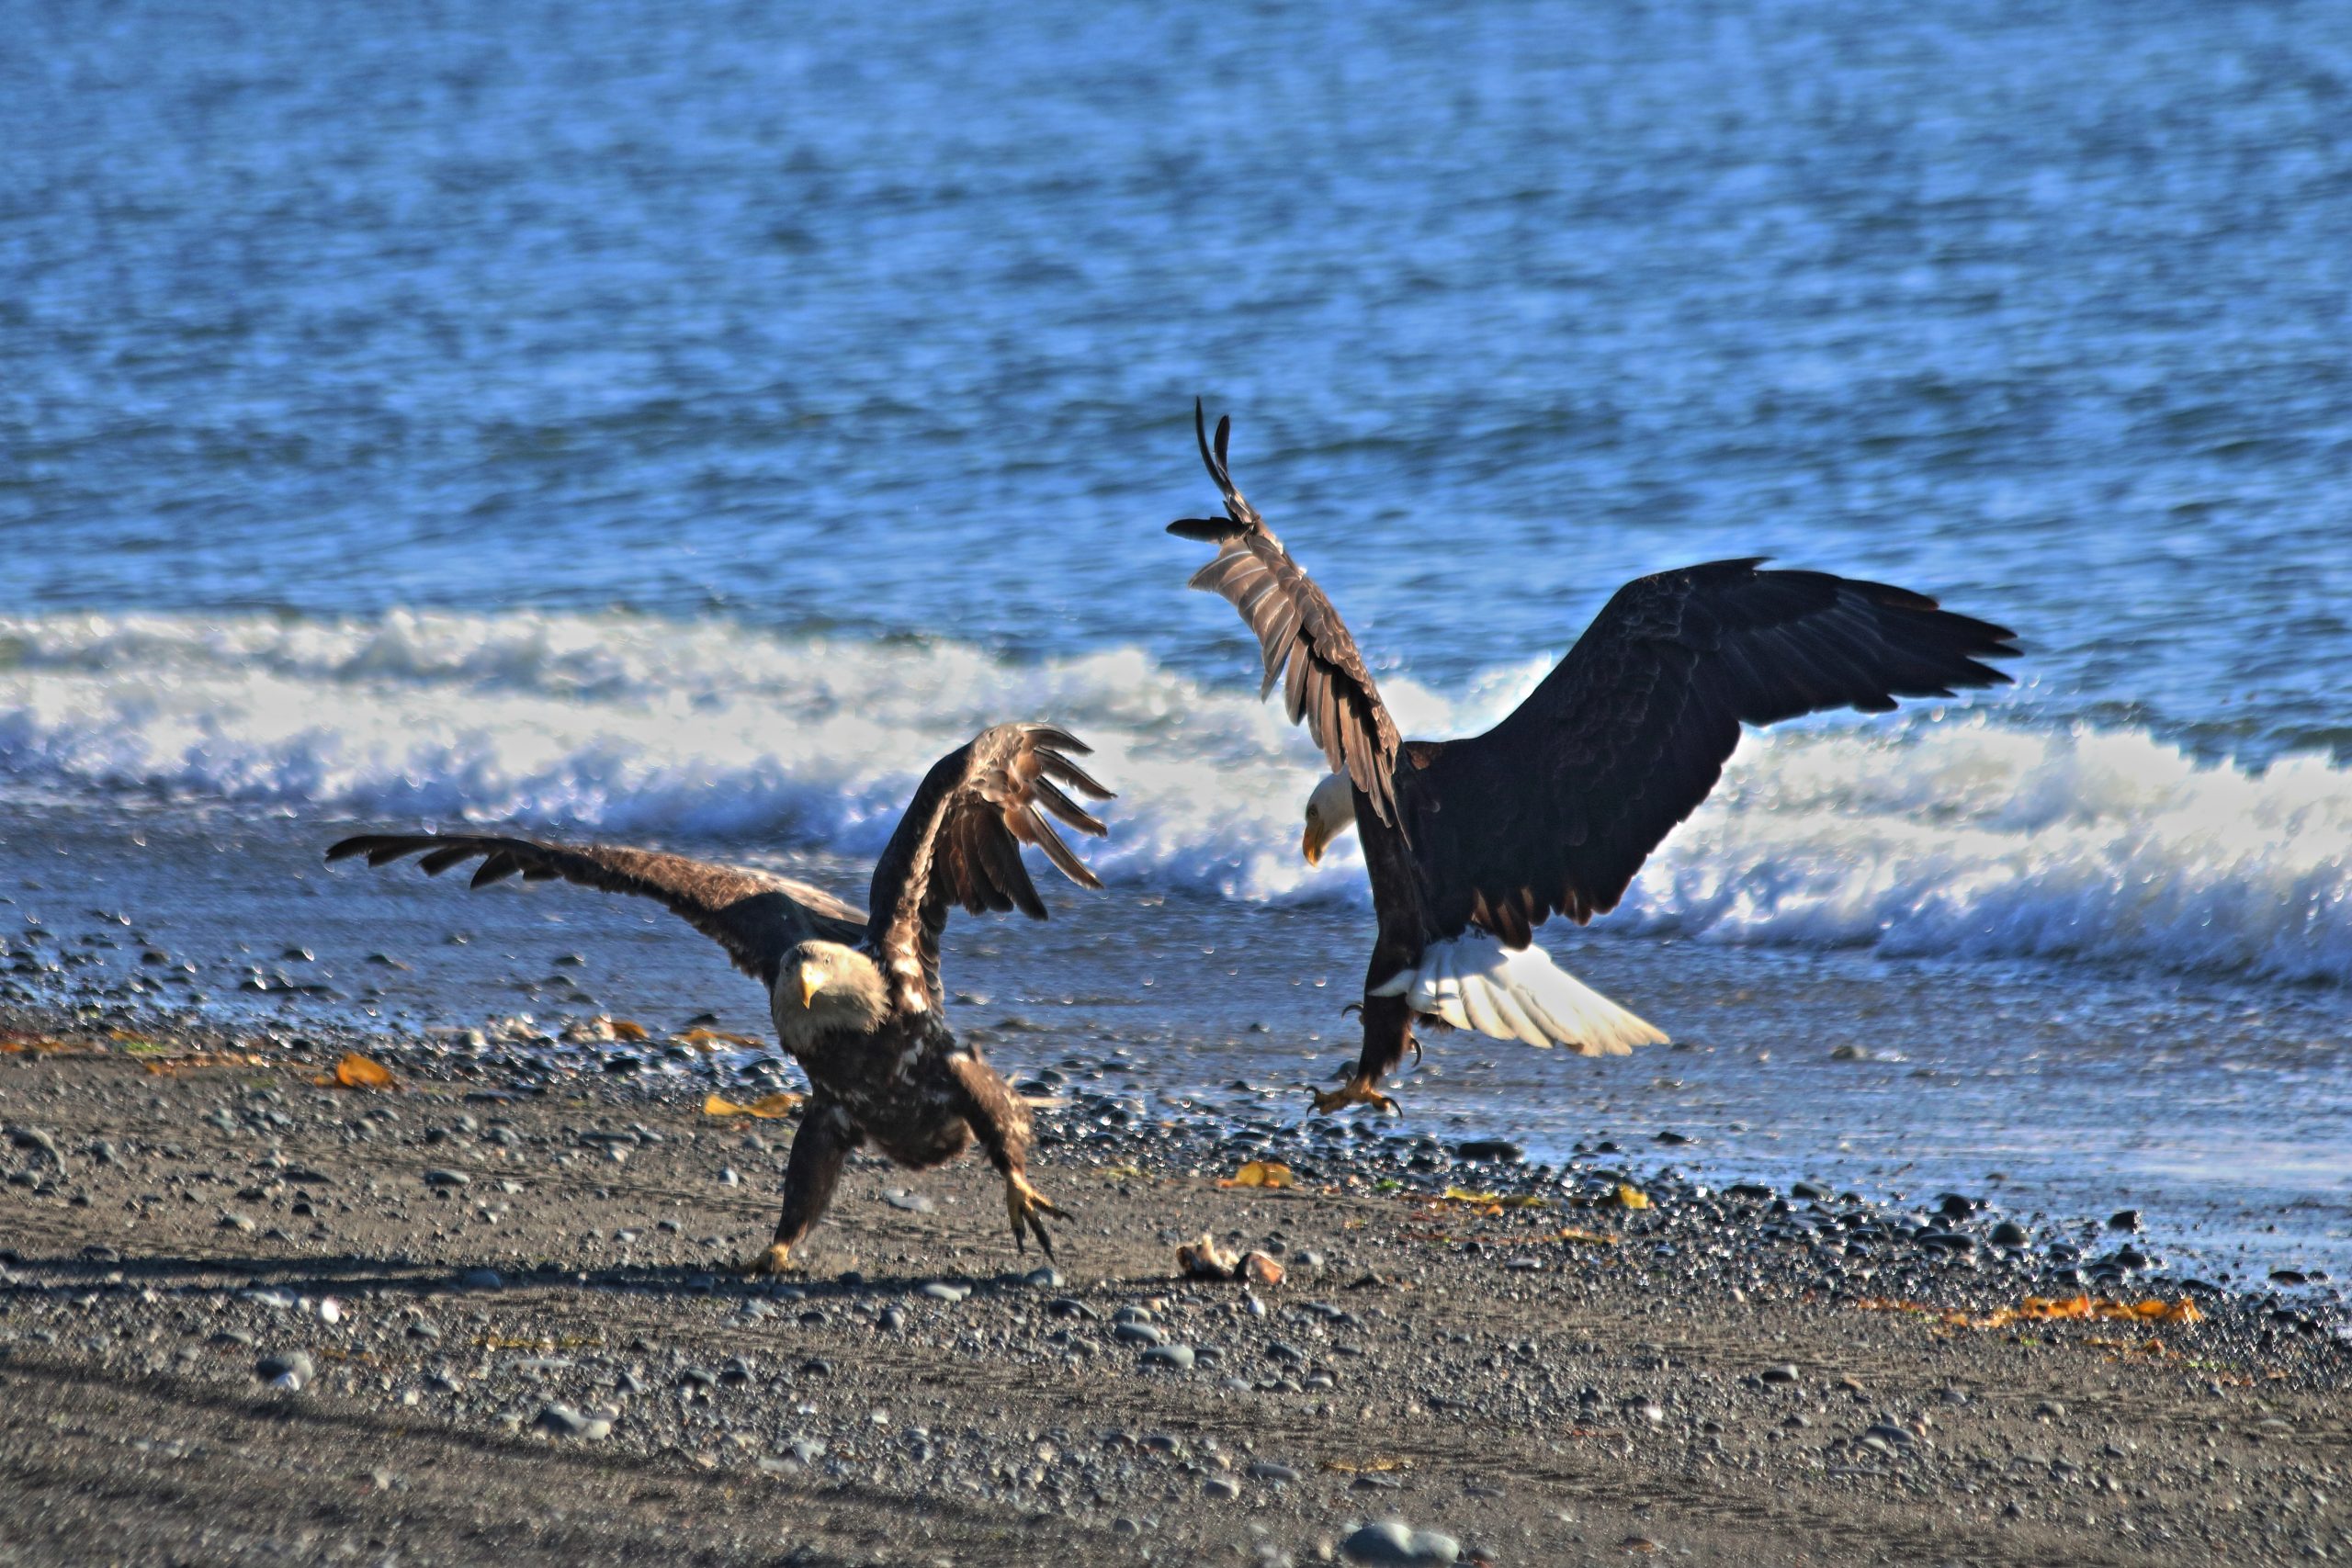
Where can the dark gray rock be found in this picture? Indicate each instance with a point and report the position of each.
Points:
(1393, 1540)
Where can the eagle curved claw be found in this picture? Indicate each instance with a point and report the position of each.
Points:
(1355, 1091)
(777, 1260)
(1023, 1205)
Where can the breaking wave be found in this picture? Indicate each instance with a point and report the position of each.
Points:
(1938, 834)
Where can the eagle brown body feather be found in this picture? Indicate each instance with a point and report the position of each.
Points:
(884, 1068)
(1553, 809)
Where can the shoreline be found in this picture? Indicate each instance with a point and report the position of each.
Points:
(1722, 1375)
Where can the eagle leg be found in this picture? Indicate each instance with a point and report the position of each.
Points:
(1387, 1030)
(1001, 1119)
(1024, 1204)
(1355, 1091)
(820, 1149)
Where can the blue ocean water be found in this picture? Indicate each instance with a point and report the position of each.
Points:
(682, 422)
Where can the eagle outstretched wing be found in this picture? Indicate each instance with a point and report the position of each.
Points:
(756, 916)
(1303, 642)
(960, 841)
(1556, 806)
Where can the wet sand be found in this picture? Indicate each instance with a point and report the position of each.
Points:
(536, 1352)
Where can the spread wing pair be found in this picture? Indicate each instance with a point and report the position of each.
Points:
(1472, 843)
(856, 996)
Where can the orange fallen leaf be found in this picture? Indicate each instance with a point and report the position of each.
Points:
(1260, 1173)
(712, 1039)
(39, 1046)
(1627, 1197)
(355, 1071)
(2050, 1309)
(625, 1029)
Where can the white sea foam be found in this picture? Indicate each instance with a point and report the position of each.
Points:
(1955, 835)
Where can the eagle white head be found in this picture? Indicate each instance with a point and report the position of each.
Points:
(1330, 811)
(825, 988)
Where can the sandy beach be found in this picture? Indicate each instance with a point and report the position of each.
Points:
(245, 1316)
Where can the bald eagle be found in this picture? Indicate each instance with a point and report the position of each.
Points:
(1472, 843)
(856, 996)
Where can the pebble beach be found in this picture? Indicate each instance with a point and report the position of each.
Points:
(249, 1314)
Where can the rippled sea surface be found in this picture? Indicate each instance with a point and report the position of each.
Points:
(682, 424)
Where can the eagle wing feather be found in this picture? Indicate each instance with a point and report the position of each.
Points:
(1301, 639)
(1556, 807)
(960, 841)
(756, 916)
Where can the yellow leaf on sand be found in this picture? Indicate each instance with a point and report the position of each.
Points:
(1464, 1195)
(1260, 1173)
(166, 1065)
(355, 1071)
(1585, 1238)
(1630, 1198)
(767, 1107)
(624, 1029)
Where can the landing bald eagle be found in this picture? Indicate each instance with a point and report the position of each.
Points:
(856, 997)
(1473, 843)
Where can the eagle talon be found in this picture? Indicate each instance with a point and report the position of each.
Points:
(1023, 1205)
(777, 1260)
(1355, 1091)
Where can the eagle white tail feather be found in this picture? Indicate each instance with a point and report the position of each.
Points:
(1473, 981)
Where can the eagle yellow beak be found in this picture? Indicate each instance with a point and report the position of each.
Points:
(812, 980)
(1311, 845)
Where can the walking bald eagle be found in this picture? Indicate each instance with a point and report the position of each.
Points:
(856, 997)
(1472, 843)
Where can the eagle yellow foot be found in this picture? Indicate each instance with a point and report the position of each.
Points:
(777, 1260)
(1355, 1091)
(1023, 1205)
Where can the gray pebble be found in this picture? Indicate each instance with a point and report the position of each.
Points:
(1180, 1357)
(563, 1421)
(481, 1279)
(36, 1139)
(1222, 1488)
(291, 1371)
(1139, 1333)
(1266, 1470)
(1393, 1540)
(940, 1290)
(1784, 1373)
